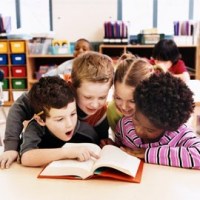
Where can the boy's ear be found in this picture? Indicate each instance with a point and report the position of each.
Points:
(39, 120)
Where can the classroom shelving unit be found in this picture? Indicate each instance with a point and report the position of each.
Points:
(190, 54)
(34, 61)
(20, 67)
(13, 63)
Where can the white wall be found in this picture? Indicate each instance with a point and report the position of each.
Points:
(74, 19)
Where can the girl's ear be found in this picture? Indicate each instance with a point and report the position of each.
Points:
(39, 120)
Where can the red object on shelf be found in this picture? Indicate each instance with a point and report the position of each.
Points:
(5, 70)
(18, 71)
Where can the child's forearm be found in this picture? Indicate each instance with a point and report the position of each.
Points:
(19, 112)
(40, 157)
(184, 76)
(174, 156)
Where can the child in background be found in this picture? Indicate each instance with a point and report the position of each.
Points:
(166, 54)
(81, 46)
(156, 132)
(129, 73)
(92, 77)
(54, 124)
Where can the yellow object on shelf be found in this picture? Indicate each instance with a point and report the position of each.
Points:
(60, 47)
(3, 47)
(17, 47)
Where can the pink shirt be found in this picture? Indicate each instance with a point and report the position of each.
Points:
(179, 148)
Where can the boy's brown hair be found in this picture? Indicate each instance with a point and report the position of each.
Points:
(93, 67)
(50, 92)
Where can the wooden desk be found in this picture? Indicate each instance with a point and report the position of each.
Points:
(158, 182)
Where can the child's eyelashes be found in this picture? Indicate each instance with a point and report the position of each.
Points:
(150, 131)
(59, 120)
(73, 114)
(117, 98)
(91, 98)
(88, 98)
(127, 101)
(102, 98)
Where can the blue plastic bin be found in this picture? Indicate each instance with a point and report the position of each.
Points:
(3, 59)
(18, 59)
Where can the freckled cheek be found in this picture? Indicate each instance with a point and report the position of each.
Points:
(56, 128)
(102, 102)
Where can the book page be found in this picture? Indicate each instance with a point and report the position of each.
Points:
(72, 167)
(69, 168)
(113, 157)
(94, 147)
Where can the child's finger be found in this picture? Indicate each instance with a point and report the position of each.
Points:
(3, 163)
(127, 150)
(94, 155)
(102, 142)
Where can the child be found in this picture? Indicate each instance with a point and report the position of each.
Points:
(81, 46)
(92, 77)
(167, 55)
(129, 73)
(156, 132)
(54, 124)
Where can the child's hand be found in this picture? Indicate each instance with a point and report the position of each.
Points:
(139, 153)
(81, 153)
(106, 141)
(158, 69)
(7, 158)
(162, 66)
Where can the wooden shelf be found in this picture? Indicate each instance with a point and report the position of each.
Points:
(16, 68)
(32, 81)
(34, 61)
(190, 54)
(49, 56)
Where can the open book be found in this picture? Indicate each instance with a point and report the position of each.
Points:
(113, 163)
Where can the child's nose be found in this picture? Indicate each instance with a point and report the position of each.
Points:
(81, 50)
(95, 104)
(124, 105)
(68, 123)
(139, 130)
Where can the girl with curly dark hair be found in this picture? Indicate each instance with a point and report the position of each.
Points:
(157, 131)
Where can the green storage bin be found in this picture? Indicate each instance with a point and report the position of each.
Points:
(19, 83)
(5, 84)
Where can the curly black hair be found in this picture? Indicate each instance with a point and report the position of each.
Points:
(50, 92)
(165, 100)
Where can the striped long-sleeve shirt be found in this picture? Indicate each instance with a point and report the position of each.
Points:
(179, 148)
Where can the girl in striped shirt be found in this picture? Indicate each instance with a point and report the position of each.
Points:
(157, 131)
